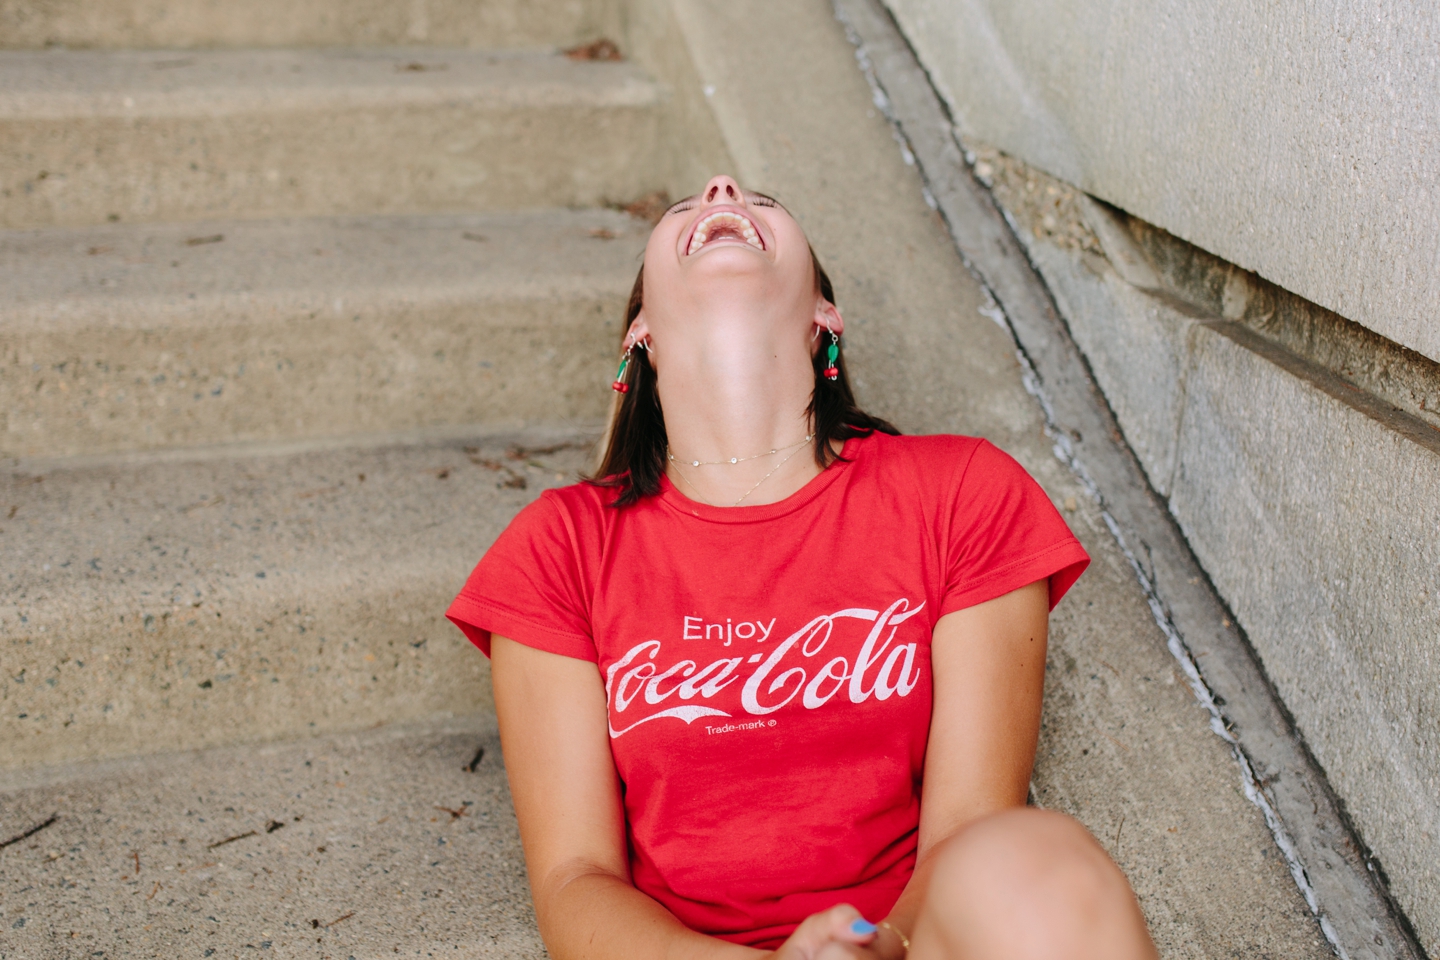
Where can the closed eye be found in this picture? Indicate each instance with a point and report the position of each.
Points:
(758, 199)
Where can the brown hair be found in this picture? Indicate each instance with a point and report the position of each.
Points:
(636, 442)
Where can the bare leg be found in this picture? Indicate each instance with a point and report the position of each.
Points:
(1028, 885)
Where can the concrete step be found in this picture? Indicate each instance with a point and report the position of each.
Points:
(140, 24)
(153, 604)
(173, 135)
(127, 337)
(347, 846)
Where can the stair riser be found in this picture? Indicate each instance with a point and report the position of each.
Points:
(288, 664)
(423, 158)
(312, 373)
(307, 590)
(279, 23)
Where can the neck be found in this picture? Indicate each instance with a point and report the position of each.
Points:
(738, 396)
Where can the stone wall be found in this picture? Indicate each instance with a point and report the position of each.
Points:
(1298, 140)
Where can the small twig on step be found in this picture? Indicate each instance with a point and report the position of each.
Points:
(475, 761)
(238, 836)
(455, 814)
(1117, 833)
(31, 832)
(340, 919)
(136, 855)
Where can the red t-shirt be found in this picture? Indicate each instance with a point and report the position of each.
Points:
(767, 668)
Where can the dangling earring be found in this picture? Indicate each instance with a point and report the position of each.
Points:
(832, 352)
(620, 386)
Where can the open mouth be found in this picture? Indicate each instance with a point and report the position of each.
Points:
(724, 225)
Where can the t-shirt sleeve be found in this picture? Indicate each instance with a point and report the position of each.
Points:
(1004, 534)
(529, 587)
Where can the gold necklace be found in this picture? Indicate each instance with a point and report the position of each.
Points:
(720, 463)
(747, 492)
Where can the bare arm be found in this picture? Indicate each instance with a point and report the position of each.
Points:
(572, 823)
(989, 669)
(567, 800)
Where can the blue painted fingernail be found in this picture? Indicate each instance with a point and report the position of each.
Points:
(862, 927)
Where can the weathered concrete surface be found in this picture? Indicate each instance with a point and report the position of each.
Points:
(1321, 538)
(653, 37)
(1298, 140)
(1125, 748)
(374, 562)
(1332, 563)
(1120, 741)
(126, 337)
(190, 135)
(351, 853)
(163, 605)
(139, 24)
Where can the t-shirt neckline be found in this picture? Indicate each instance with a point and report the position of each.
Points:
(672, 497)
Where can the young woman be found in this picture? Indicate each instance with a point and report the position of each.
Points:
(771, 684)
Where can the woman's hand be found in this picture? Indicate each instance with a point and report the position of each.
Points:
(839, 933)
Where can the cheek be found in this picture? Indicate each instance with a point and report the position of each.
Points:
(661, 270)
(665, 290)
(793, 252)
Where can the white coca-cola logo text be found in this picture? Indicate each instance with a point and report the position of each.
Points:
(788, 670)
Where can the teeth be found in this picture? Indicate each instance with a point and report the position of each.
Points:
(702, 231)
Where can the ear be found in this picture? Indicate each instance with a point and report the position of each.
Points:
(827, 317)
(639, 329)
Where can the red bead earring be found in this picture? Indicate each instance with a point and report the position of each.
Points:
(620, 386)
(832, 353)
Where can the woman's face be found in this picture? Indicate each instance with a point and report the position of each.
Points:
(728, 255)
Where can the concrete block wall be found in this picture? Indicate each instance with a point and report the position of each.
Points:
(1298, 140)
(1306, 482)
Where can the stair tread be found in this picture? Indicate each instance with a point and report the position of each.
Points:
(149, 601)
(129, 337)
(199, 273)
(47, 84)
(283, 23)
(168, 136)
(75, 531)
(346, 831)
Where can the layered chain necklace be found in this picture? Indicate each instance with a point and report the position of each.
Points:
(797, 446)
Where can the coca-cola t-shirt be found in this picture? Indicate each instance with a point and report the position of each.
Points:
(767, 668)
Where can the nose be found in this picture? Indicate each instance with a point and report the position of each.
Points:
(721, 189)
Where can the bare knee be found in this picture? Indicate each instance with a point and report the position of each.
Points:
(1029, 883)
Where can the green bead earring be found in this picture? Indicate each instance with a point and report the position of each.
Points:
(832, 353)
(620, 386)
